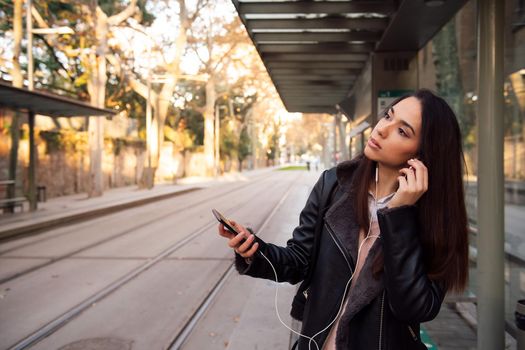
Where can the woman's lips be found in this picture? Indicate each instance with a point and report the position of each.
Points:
(373, 143)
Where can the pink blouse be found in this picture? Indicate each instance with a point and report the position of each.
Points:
(365, 248)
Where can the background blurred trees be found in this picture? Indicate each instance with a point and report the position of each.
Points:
(200, 60)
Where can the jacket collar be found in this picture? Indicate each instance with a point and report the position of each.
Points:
(341, 216)
(345, 171)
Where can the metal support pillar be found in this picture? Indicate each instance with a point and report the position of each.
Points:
(32, 163)
(334, 155)
(217, 129)
(29, 30)
(342, 137)
(491, 234)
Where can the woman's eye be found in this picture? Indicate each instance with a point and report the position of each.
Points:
(402, 132)
(387, 116)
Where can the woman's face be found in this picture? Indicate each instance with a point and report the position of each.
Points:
(395, 138)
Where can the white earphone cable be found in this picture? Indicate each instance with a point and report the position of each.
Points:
(311, 339)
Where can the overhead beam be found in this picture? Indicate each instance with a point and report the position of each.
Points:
(355, 57)
(314, 64)
(319, 92)
(311, 7)
(314, 84)
(262, 38)
(322, 101)
(313, 111)
(314, 89)
(324, 77)
(307, 97)
(323, 48)
(311, 108)
(299, 70)
(424, 22)
(318, 107)
(318, 23)
(304, 99)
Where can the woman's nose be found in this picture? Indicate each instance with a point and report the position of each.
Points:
(381, 130)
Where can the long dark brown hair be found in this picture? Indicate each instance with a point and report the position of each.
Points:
(442, 212)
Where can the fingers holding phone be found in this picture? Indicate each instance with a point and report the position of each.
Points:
(240, 239)
(243, 242)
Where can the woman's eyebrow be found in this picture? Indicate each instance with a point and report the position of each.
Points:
(404, 122)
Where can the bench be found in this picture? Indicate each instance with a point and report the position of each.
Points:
(11, 203)
(6, 185)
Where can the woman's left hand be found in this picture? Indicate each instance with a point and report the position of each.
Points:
(413, 183)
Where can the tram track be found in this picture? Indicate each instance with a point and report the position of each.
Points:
(72, 313)
(107, 216)
(182, 336)
(118, 235)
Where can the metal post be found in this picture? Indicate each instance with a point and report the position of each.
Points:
(217, 144)
(335, 140)
(148, 121)
(254, 145)
(32, 163)
(519, 318)
(491, 297)
(342, 137)
(29, 29)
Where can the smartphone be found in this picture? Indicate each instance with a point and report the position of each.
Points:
(227, 224)
(224, 221)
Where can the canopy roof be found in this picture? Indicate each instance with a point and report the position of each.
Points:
(315, 50)
(47, 104)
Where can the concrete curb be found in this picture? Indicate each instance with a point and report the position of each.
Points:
(74, 217)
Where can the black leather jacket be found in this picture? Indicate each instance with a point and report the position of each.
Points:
(382, 313)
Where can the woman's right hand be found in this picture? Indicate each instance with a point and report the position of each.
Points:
(246, 249)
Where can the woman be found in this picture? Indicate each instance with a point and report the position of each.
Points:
(394, 240)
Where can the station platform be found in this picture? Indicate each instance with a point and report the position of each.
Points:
(453, 329)
(69, 209)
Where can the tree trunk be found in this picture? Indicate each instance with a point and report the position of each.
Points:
(163, 99)
(16, 73)
(97, 92)
(96, 126)
(209, 117)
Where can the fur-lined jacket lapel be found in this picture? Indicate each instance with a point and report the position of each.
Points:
(341, 218)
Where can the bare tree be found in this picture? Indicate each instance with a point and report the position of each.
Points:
(219, 40)
(171, 70)
(16, 73)
(97, 84)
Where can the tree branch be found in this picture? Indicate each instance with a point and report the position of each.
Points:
(226, 55)
(112, 59)
(194, 48)
(125, 14)
(200, 5)
(141, 89)
(36, 15)
(51, 49)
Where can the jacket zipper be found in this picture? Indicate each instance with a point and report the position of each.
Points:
(338, 246)
(305, 293)
(380, 346)
(341, 250)
(413, 333)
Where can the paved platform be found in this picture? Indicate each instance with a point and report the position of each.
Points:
(73, 208)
